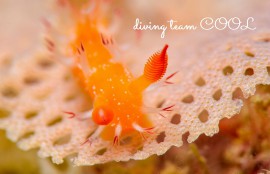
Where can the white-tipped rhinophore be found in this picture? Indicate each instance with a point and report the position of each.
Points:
(83, 65)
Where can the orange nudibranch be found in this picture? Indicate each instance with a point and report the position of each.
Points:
(116, 94)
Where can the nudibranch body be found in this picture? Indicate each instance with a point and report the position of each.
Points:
(117, 95)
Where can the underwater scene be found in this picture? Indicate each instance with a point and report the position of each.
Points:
(135, 87)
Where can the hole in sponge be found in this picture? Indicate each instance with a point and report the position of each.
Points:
(31, 80)
(185, 137)
(45, 63)
(203, 116)
(27, 135)
(140, 148)
(4, 113)
(265, 39)
(31, 114)
(188, 99)
(55, 121)
(176, 119)
(10, 92)
(268, 70)
(227, 70)
(249, 72)
(237, 94)
(60, 167)
(200, 81)
(101, 151)
(217, 95)
(262, 38)
(249, 53)
(161, 137)
(63, 140)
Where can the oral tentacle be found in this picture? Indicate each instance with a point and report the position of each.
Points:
(80, 116)
(71, 114)
(94, 136)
